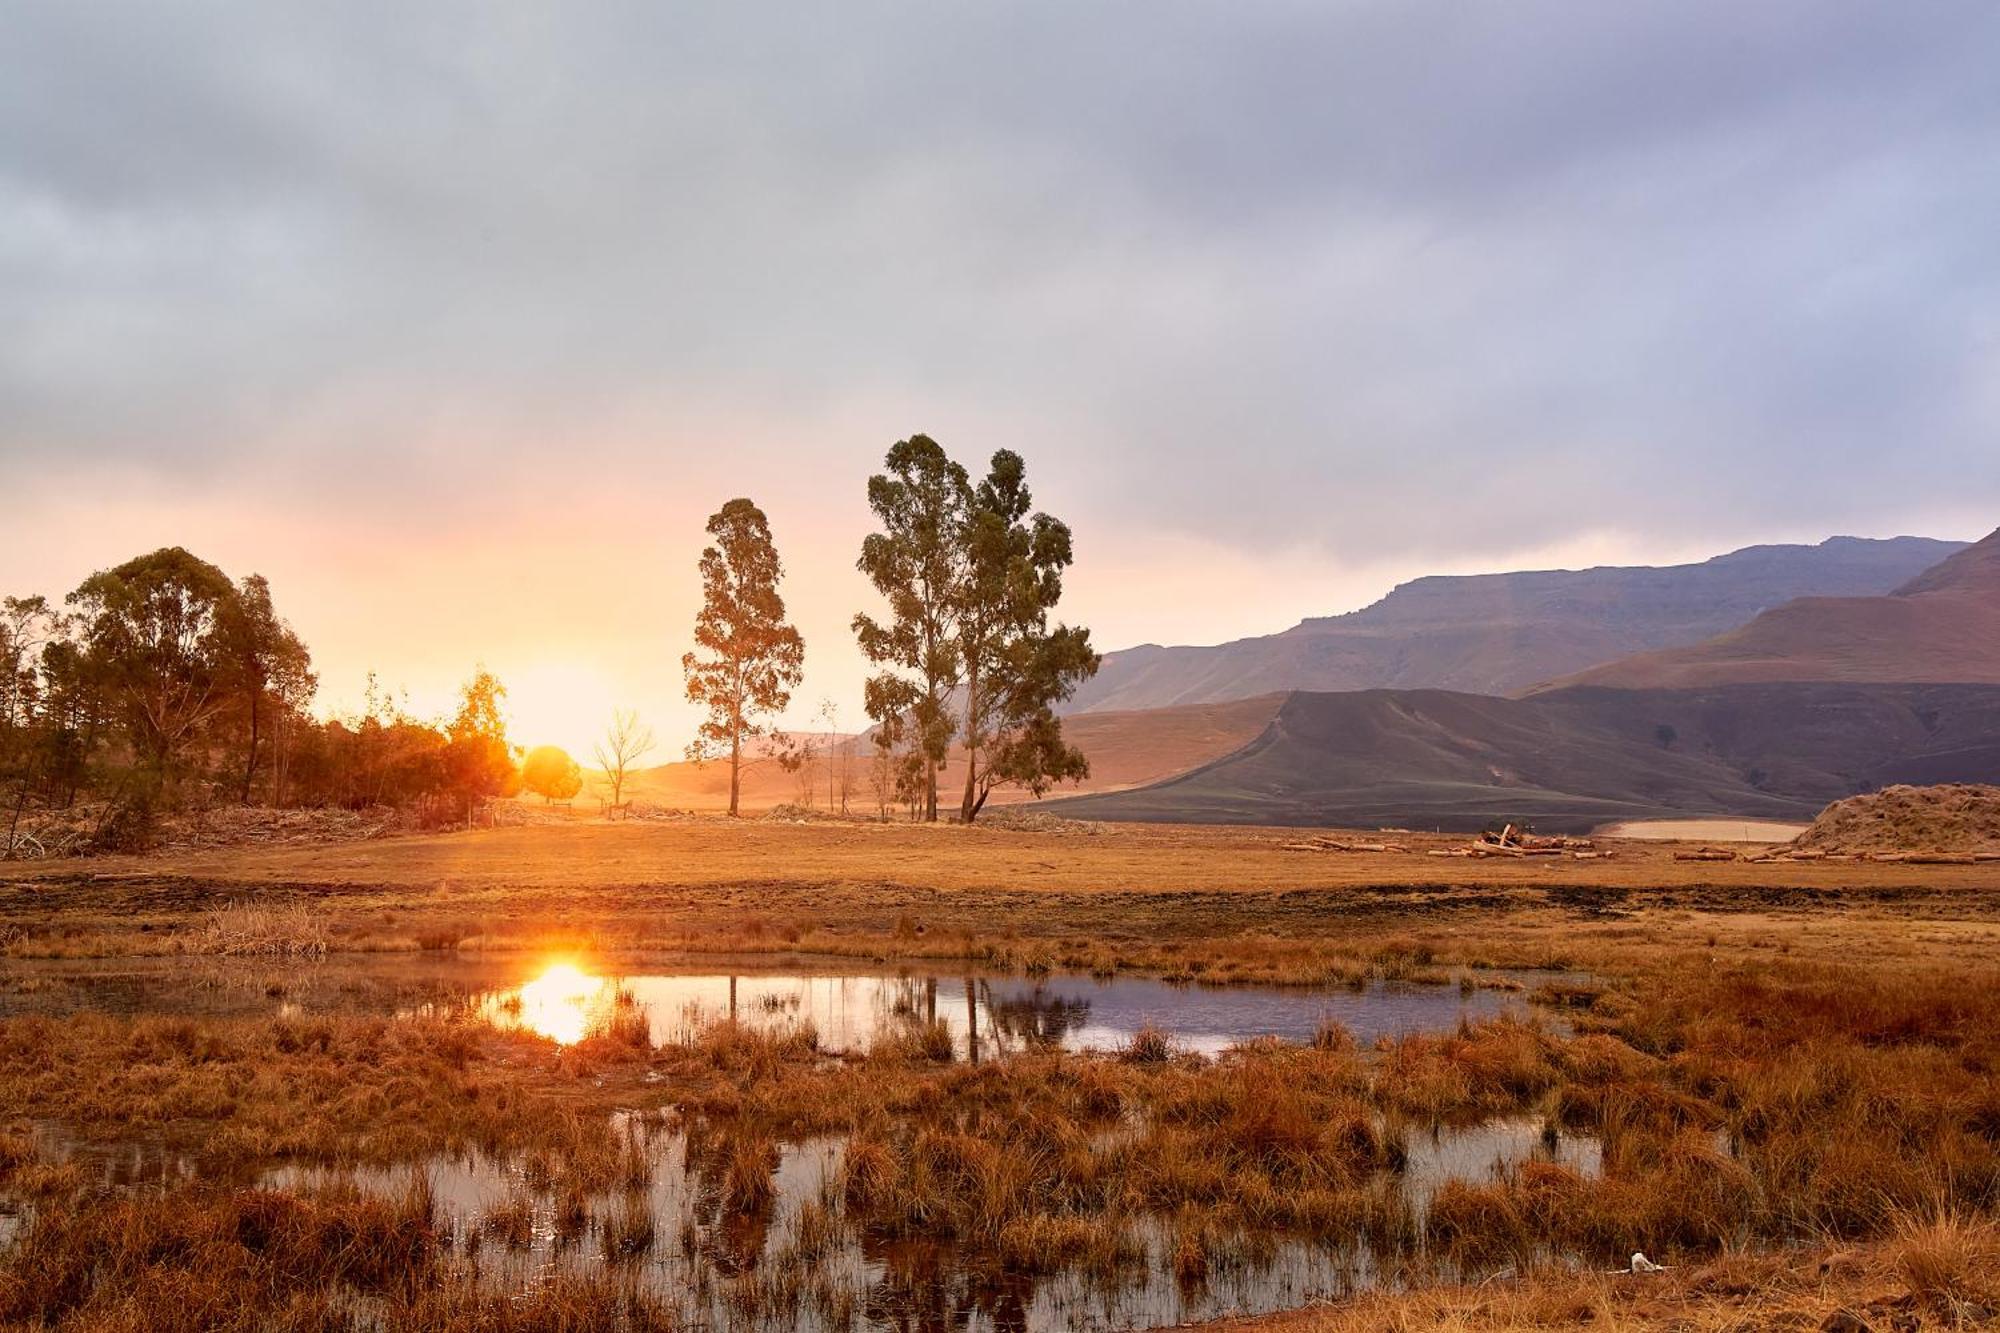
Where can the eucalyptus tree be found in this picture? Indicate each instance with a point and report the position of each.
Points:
(269, 674)
(1016, 665)
(918, 563)
(153, 631)
(748, 657)
(971, 576)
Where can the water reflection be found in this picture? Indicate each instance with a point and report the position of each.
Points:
(563, 1004)
(981, 1016)
(791, 1255)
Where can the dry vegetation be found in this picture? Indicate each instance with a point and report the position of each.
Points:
(1154, 897)
(1933, 1272)
(1955, 817)
(1786, 1066)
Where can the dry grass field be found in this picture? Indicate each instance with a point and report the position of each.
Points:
(1125, 749)
(1832, 1023)
(1139, 886)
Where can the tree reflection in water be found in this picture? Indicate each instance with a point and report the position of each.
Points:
(1034, 1019)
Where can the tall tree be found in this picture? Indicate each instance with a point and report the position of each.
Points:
(28, 730)
(625, 741)
(917, 562)
(1016, 667)
(749, 659)
(153, 628)
(478, 762)
(267, 669)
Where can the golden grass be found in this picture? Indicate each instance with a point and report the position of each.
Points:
(265, 1259)
(1929, 1274)
(241, 930)
(1789, 1066)
(1849, 1117)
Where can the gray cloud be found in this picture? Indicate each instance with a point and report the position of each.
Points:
(1379, 277)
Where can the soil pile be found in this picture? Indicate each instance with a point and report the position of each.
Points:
(1016, 820)
(1957, 817)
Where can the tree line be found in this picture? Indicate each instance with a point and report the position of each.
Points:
(162, 682)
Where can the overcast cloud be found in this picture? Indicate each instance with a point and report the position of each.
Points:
(1313, 295)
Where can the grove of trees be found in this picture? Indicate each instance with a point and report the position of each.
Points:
(968, 652)
(161, 683)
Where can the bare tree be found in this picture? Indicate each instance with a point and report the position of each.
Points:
(625, 741)
(829, 715)
(847, 785)
(882, 780)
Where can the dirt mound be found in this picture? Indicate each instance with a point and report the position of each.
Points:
(790, 812)
(1038, 821)
(1957, 817)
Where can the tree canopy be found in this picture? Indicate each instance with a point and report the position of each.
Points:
(1016, 666)
(551, 774)
(748, 658)
(970, 577)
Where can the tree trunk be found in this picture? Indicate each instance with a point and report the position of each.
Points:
(735, 771)
(250, 765)
(968, 806)
(735, 737)
(14, 824)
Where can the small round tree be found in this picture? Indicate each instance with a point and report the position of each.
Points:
(550, 773)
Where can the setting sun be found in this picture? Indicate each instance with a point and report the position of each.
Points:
(1273, 666)
(559, 703)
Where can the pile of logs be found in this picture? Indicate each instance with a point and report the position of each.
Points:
(1321, 843)
(1894, 857)
(1511, 841)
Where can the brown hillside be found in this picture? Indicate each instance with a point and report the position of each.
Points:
(1958, 817)
(1941, 627)
(1126, 749)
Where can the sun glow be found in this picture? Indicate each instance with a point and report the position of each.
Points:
(558, 703)
(563, 1004)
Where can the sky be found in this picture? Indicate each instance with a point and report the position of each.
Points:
(456, 320)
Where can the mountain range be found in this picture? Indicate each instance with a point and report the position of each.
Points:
(1941, 625)
(1503, 633)
(1569, 760)
(1799, 704)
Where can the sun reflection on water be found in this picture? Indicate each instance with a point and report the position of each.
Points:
(563, 1004)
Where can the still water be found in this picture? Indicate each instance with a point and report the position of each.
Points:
(775, 1267)
(985, 1015)
(566, 1000)
(760, 1271)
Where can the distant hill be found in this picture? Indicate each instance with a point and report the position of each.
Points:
(1502, 633)
(1125, 750)
(1567, 760)
(1941, 625)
